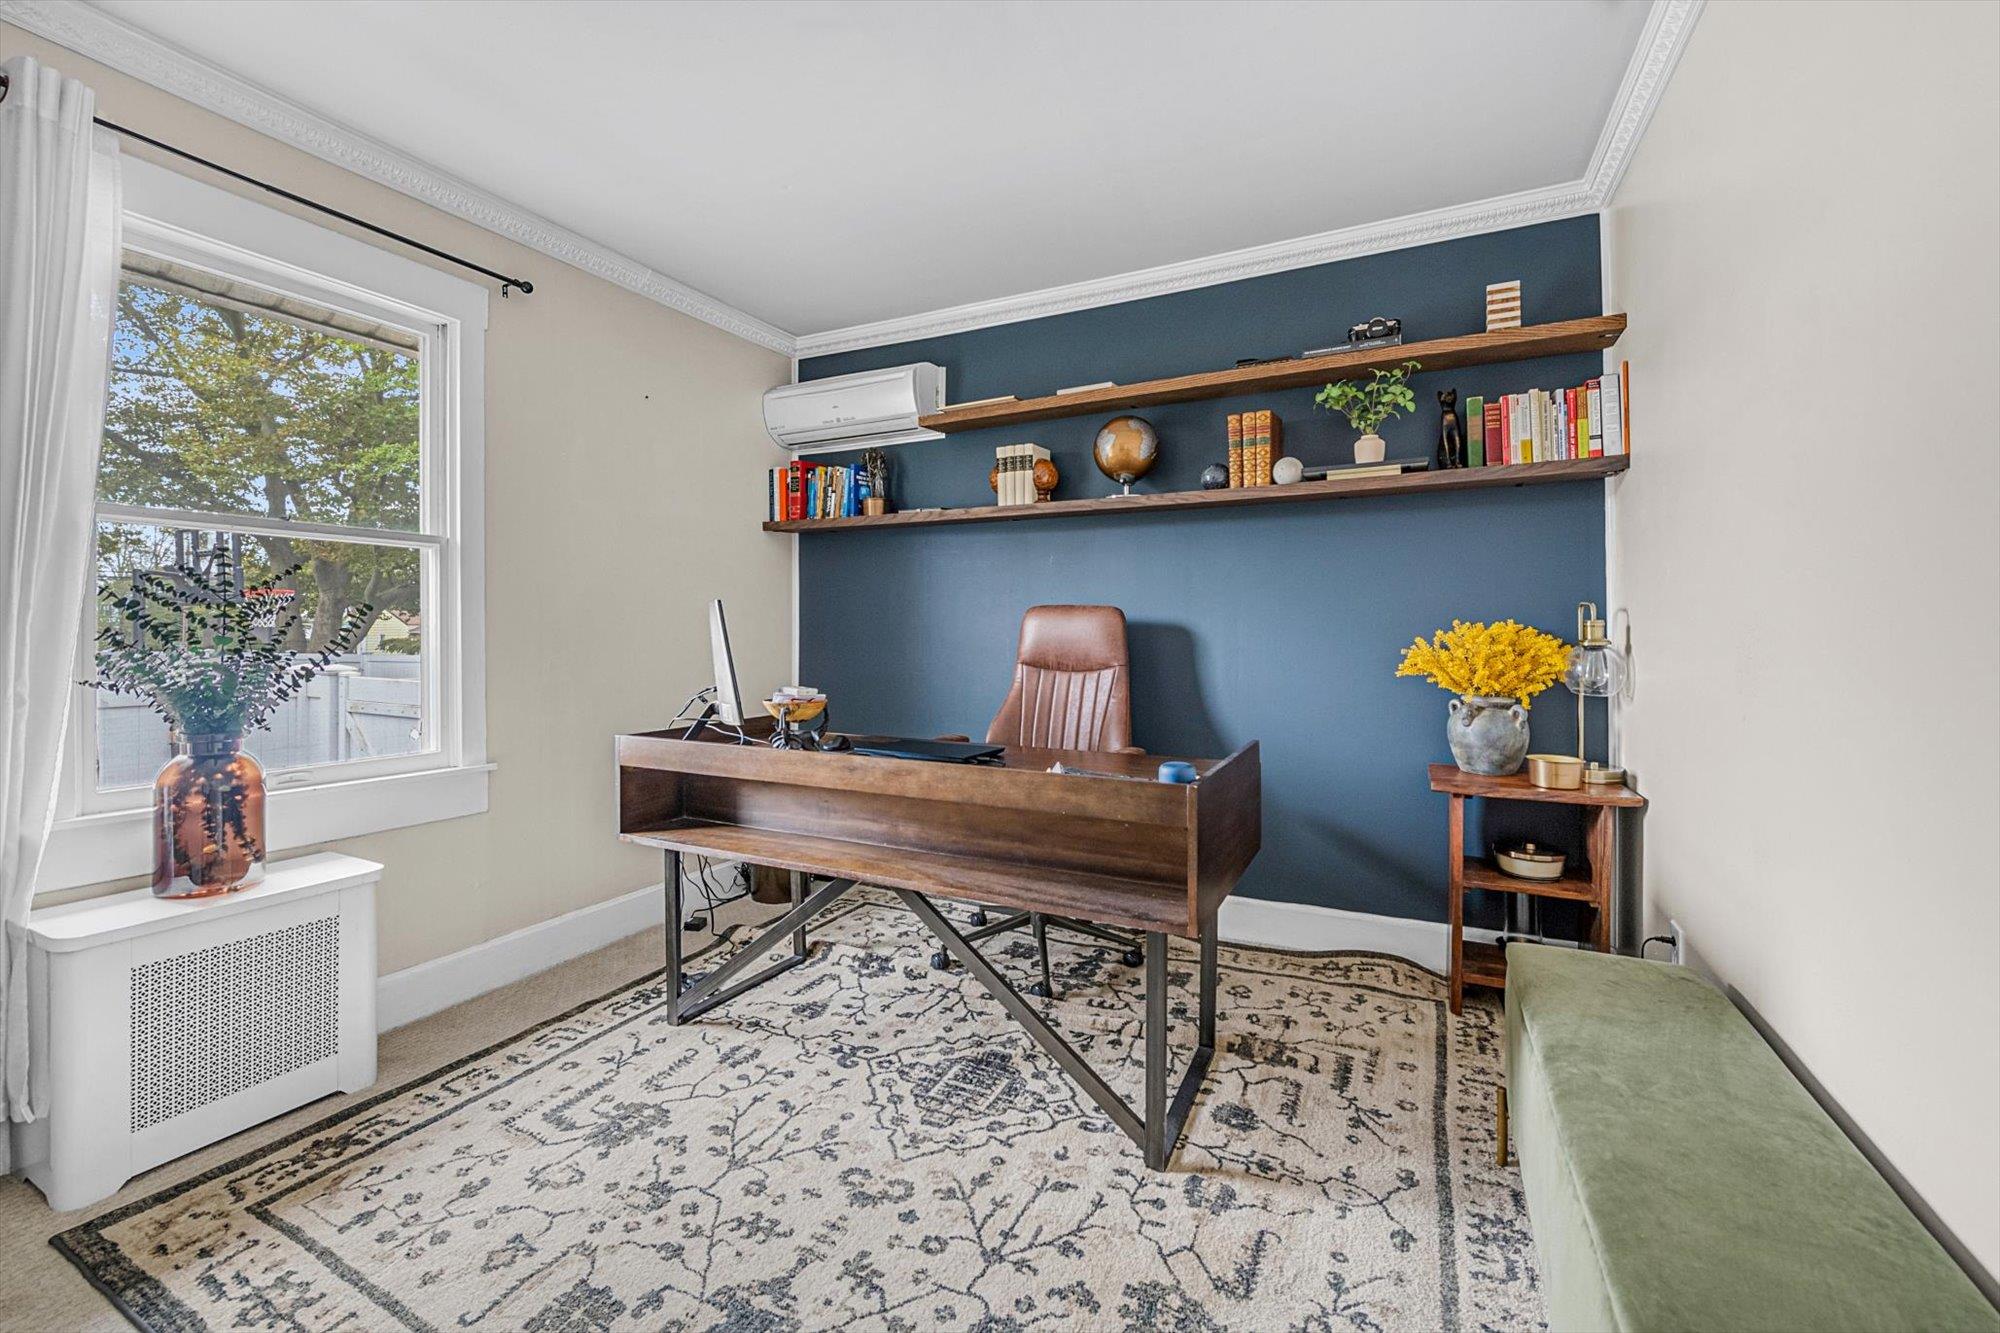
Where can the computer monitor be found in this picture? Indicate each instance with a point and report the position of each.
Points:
(728, 697)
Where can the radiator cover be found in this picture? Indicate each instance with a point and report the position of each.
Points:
(162, 1026)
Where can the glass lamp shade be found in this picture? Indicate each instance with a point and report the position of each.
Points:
(1596, 671)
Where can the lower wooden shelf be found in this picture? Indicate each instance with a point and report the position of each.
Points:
(1485, 965)
(1410, 483)
(1573, 887)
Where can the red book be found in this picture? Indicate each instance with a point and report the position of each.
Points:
(796, 488)
(1495, 448)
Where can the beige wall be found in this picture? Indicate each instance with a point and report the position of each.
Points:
(1808, 244)
(624, 485)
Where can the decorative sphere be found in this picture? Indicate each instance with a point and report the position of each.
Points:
(1126, 449)
(1046, 476)
(1287, 470)
(1214, 477)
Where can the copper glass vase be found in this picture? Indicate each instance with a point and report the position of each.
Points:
(208, 820)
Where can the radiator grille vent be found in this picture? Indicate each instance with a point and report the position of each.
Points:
(213, 1022)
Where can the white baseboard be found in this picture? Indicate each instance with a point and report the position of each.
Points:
(1300, 926)
(417, 992)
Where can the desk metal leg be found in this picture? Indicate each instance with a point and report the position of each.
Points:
(799, 882)
(690, 1000)
(1158, 1131)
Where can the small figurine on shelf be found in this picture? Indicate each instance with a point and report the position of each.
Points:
(875, 474)
(1451, 436)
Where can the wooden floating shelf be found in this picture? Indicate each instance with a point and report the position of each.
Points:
(1410, 483)
(1472, 349)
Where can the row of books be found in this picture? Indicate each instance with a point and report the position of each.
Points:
(815, 490)
(1014, 473)
(1545, 426)
(1256, 440)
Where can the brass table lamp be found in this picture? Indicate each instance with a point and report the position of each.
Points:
(1596, 670)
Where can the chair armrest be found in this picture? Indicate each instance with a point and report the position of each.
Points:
(1129, 749)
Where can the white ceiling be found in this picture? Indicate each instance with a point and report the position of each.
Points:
(821, 165)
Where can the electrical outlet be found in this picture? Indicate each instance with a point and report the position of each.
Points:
(1679, 938)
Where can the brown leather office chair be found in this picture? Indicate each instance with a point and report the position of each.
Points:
(1072, 690)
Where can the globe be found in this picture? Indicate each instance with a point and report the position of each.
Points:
(1126, 449)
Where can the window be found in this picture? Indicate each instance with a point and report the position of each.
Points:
(309, 403)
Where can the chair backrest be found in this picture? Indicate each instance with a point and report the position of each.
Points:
(1072, 682)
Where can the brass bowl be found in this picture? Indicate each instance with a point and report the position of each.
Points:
(1555, 772)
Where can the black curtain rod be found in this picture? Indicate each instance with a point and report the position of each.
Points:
(519, 284)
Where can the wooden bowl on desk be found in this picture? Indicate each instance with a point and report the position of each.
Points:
(789, 711)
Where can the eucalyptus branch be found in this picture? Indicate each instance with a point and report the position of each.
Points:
(185, 641)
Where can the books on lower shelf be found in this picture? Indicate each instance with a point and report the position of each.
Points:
(1014, 468)
(1591, 420)
(815, 490)
(1256, 440)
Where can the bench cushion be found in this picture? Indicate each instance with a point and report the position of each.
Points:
(1679, 1177)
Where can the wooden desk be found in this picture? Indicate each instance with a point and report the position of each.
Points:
(1587, 879)
(1154, 857)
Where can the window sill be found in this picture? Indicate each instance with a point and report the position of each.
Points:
(91, 849)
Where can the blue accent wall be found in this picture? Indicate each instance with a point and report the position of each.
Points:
(1280, 624)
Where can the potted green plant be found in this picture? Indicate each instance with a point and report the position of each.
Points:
(210, 657)
(1368, 403)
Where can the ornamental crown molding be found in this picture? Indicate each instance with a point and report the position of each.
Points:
(1661, 41)
(97, 36)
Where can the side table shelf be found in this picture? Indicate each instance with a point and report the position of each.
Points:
(1478, 964)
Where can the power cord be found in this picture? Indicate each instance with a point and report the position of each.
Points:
(1667, 940)
(714, 897)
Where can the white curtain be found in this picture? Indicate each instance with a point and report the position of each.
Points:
(59, 234)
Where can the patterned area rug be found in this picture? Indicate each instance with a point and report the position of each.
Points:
(867, 1143)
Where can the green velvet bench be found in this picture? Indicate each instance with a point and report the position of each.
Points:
(1679, 1177)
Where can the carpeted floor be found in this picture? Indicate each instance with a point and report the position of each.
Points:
(862, 1143)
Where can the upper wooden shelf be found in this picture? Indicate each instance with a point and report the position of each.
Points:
(1455, 781)
(1473, 349)
(1147, 502)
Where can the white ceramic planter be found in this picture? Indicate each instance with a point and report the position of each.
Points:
(1369, 449)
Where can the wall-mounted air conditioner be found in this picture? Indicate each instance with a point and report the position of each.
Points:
(854, 411)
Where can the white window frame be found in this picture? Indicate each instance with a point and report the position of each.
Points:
(105, 835)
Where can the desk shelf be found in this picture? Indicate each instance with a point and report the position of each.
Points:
(1136, 904)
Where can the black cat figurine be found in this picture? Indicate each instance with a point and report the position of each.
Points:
(1451, 437)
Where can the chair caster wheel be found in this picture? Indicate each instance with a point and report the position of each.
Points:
(1040, 990)
(1132, 957)
(977, 919)
(940, 960)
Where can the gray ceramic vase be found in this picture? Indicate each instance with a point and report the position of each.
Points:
(1488, 736)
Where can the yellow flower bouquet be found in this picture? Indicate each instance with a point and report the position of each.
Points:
(1504, 660)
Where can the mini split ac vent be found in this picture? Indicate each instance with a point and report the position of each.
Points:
(210, 1023)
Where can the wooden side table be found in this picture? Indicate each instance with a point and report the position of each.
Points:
(1591, 884)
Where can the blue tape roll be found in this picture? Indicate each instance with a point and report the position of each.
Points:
(1176, 771)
